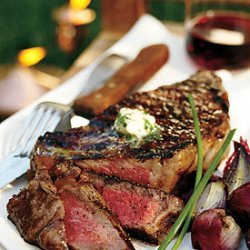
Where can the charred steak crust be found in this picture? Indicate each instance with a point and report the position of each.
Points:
(168, 104)
(38, 213)
(159, 163)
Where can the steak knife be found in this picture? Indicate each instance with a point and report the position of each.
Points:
(131, 75)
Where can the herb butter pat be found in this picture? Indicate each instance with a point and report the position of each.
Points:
(137, 125)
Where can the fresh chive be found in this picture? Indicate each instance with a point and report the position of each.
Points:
(183, 230)
(198, 171)
(199, 140)
(197, 192)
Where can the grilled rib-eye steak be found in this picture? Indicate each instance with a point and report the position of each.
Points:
(159, 163)
(65, 206)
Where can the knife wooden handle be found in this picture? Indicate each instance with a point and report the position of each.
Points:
(144, 66)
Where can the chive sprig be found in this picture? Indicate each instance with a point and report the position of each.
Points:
(201, 184)
(198, 172)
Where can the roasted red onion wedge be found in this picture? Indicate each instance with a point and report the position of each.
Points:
(237, 170)
(239, 205)
(213, 196)
(213, 229)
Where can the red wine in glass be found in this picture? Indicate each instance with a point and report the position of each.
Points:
(220, 40)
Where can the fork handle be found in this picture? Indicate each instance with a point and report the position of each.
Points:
(12, 167)
(144, 66)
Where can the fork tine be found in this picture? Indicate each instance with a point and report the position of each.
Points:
(49, 124)
(33, 121)
(44, 117)
(48, 121)
(14, 140)
(52, 123)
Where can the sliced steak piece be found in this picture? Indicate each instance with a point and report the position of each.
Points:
(88, 222)
(73, 217)
(38, 213)
(159, 163)
(145, 213)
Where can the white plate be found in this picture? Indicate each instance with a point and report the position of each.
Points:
(147, 31)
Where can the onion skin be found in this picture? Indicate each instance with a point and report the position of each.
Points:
(213, 229)
(213, 196)
(239, 205)
(237, 169)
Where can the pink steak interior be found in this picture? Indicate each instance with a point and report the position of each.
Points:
(131, 208)
(85, 226)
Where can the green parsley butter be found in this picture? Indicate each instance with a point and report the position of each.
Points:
(138, 126)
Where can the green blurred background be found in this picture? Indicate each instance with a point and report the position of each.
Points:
(29, 23)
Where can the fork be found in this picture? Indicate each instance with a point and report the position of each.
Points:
(48, 116)
(44, 117)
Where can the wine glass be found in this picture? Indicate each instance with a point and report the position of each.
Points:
(218, 33)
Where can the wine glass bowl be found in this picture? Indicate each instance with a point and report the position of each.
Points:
(218, 33)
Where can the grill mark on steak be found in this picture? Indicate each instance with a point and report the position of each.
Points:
(172, 111)
(100, 148)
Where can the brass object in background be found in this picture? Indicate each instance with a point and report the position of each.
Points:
(71, 24)
(120, 15)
